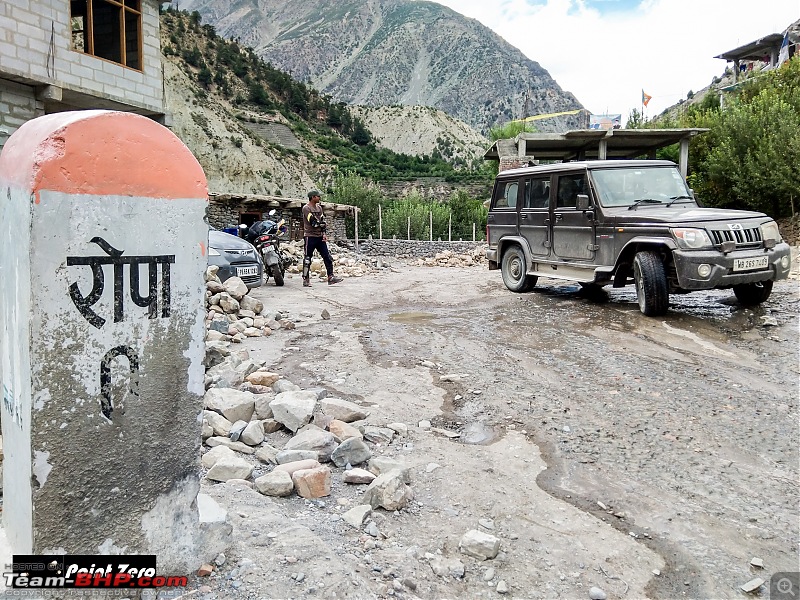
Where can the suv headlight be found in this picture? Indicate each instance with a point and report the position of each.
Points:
(213, 251)
(769, 231)
(690, 237)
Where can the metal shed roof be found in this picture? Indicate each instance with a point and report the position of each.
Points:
(595, 144)
(757, 50)
(279, 202)
(586, 144)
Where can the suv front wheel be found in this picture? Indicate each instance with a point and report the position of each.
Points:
(750, 294)
(514, 269)
(651, 283)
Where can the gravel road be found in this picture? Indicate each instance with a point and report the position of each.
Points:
(647, 457)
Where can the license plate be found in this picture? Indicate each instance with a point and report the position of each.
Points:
(750, 264)
(246, 271)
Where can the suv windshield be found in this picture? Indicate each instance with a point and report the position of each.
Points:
(637, 186)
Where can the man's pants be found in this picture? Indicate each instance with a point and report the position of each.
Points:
(320, 245)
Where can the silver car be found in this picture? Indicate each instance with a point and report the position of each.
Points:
(234, 257)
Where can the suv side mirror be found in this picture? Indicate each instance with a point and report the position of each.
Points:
(582, 202)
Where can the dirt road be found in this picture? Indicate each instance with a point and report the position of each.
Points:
(645, 457)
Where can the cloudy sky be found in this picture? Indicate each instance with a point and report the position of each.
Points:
(607, 51)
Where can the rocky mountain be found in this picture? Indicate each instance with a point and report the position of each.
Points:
(395, 52)
(249, 141)
(423, 130)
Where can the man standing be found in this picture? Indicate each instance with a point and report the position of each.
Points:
(314, 238)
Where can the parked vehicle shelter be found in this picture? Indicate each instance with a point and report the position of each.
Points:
(590, 144)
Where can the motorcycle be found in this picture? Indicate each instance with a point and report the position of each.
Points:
(266, 237)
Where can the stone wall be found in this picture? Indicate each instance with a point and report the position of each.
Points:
(413, 248)
(222, 214)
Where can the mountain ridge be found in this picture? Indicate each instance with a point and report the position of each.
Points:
(389, 52)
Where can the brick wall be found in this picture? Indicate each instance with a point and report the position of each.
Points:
(513, 162)
(17, 105)
(36, 49)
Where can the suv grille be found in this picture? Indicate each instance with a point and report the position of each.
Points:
(742, 237)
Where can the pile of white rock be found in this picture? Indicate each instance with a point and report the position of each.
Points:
(448, 258)
(245, 403)
(345, 262)
(233, 315)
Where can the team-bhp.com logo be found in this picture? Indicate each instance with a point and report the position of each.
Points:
(87, 571)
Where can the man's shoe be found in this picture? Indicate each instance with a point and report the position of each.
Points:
(306, 283)
(333, 279)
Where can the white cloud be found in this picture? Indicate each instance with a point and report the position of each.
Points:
(606, 59)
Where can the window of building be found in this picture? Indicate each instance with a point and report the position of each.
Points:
(109, 29)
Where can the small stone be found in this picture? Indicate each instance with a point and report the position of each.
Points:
(757, 562)
(356, 515)
(205, 570)
(595, 593)
(656, 572)
(220, 559)
(372, 529)
(488, 575)
(425, 425)
(486, 523)
(325, 314)
(432, 467)
(502, 587)
(752, 585)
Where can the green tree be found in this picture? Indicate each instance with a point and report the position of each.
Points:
(758, 158)
(361, 135)
(351, 188)
(466, 211)
(750, 157)
(205, 76)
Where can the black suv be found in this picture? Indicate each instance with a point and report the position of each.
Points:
(628, 221)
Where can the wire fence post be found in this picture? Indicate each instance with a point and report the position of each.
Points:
(356, 228)
(473, 231)
(408, 234)
(450, 228)
(430, 222)
(380, 223)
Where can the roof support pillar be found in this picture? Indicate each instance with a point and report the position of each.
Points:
(601, 149)
(683, 159)
(522, 147)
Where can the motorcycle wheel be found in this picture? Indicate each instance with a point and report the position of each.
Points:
(277, 275)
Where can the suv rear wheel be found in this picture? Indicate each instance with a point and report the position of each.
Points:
(751, 294)
(651, 283)
(514, 269)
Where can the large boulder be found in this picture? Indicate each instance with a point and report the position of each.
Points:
(229, 467)
(352, 451)
(231, 404)
(312, 438)
(343, 410)
(388, 491)
(294, 408)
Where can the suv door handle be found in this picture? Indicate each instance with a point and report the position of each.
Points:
(559, 217)
(523, 216)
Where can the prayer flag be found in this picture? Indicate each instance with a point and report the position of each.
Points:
(645, 98)
(783, 55)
